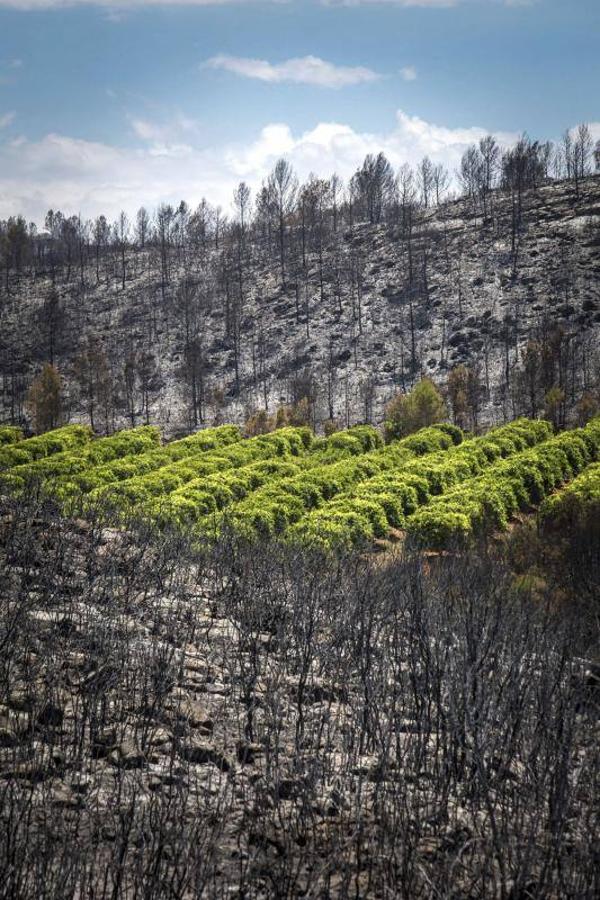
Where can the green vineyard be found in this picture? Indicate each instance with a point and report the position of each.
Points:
(349, 489)
(577, 500)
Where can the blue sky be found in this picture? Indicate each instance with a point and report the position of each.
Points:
(144, 101)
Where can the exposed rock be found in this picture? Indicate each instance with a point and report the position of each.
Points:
(159, 737)
(103, 743)
(21, 701)
(316, 690)
(127, 756)
(430, 846)
(62, 795)
(196, 715)
(219, 690)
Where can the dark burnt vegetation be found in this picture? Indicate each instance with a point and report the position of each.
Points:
(188, 317)
(263, 722)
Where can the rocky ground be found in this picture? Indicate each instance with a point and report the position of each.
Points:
(388, 311)
(262, 724)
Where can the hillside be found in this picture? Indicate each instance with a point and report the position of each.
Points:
(212, 686)
(228, 724)
(364, 311)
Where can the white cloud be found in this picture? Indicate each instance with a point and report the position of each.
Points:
(168, 165)
(28, 5)
(6, 119)
(594, 128)
(440, 4)
(434, 3)
(163, 133)
(302, 70)
(409, 73)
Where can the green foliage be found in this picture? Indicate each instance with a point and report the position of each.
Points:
(320, 483)
(203, 497)
(346, 527)
(401, 489)
(575, 503)
(189, 451)
(341, 445)
(453, 431)
(72, 461)
(440, 530)
(421, 407)
(69, 437)
(489, 501)
(10, 434)
(344, 444)
(203, 441)
(434, 438)
(194, 477)
(343, 490)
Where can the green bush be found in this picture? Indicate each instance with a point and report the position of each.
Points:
(204, 497)
(10, 434)
(210, 481)
(320, 483)
(341, 445)
(574, 503)
(343, 529)
(343, 490)
(203, 441)
(441, 529)
(428, 439)
(400, 490)
(455, 433)
(489, 501)
(69, 463)
(189, 451)
(421, 407)
(67, 438)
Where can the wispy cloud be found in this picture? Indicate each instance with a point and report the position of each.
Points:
(301, 70)
(409, 73)
(122, 5)
(175, 127)
(440, 4)
(6, 119)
